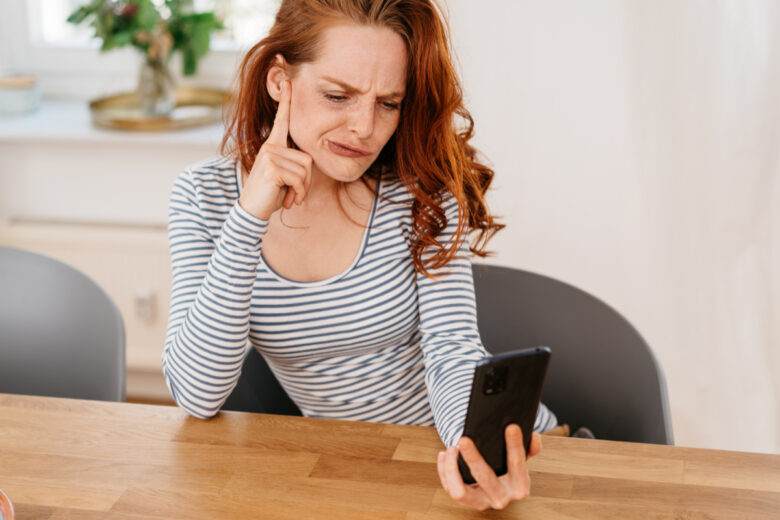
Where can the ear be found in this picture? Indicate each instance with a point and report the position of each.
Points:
(276, 74)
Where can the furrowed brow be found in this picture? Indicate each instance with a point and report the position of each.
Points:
(354, 90)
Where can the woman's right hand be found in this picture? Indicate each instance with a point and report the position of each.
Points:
(279, 175)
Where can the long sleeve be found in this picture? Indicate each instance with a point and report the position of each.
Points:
(451, 343)
(212, 280)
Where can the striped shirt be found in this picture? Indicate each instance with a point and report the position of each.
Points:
(378, 342)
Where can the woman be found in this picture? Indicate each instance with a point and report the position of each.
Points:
(331, 234)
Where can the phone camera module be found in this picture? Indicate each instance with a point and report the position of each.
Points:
(495, 380)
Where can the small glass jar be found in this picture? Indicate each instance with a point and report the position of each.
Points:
(19, 94)
(6, 507)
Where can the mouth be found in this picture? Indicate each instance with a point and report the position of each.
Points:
(346, 151)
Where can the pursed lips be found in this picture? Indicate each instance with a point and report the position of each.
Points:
(348, 148)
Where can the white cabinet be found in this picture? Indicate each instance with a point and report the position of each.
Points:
(97, 200)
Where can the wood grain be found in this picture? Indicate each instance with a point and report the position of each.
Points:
(66, 459)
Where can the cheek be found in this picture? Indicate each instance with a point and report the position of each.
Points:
(310, 119)
(387, 129)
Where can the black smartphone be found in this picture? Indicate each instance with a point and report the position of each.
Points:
(506, 389)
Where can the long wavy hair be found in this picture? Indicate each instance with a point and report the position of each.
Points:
(427, 152)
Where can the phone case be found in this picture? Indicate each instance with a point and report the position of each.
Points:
(506, 389)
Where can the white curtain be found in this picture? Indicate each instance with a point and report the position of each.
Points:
(637, 154)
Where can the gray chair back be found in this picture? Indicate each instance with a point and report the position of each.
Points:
(60, 334)
(602, 373)
(258, 390)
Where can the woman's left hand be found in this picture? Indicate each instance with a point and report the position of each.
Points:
(490, 491)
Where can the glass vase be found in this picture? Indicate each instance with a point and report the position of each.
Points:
(156, 89)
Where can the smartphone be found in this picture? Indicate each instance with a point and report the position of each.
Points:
(506, 389)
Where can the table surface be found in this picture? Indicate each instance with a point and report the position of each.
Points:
(66, 458)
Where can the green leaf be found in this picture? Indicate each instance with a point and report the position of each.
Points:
(79, 15)
(107, 45)
(123, 38)
(86, 10)
(190, 61)
(147, 15)
(176, 6)
(201, 36)
(205, 17)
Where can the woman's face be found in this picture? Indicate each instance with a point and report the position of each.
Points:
(351, 95)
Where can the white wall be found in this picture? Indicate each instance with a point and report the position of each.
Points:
(636, 151)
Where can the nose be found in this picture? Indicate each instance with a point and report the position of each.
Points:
(361, 119)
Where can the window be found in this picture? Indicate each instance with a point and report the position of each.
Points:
(36, 38)
(245, 22)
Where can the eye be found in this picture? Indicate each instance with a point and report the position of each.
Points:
(391, 106)
(335, 99)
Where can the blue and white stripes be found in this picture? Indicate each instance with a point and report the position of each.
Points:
(378, 342)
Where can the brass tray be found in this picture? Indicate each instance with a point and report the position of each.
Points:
(195, 106)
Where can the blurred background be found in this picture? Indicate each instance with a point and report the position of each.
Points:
(636, 147)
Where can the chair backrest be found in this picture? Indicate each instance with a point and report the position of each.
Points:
(60, 334)
(258, 390)
(602, 374)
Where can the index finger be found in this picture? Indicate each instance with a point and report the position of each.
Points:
(482, 472)
(281, 126)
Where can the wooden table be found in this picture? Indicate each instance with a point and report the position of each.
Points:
(67, 459)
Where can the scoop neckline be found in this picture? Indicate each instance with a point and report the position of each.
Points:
(355, 261)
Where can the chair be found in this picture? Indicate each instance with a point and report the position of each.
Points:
(258, 390)
(602, 374)
(60, 333)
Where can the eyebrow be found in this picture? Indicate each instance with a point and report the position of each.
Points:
(351, 89)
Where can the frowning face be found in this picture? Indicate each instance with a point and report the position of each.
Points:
(349, 96)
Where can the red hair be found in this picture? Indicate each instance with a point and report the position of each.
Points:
(427, 152)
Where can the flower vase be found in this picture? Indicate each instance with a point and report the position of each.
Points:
(156, 89)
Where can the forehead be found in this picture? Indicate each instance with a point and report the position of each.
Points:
(364, 56)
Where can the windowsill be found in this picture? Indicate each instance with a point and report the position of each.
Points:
(58, 121)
